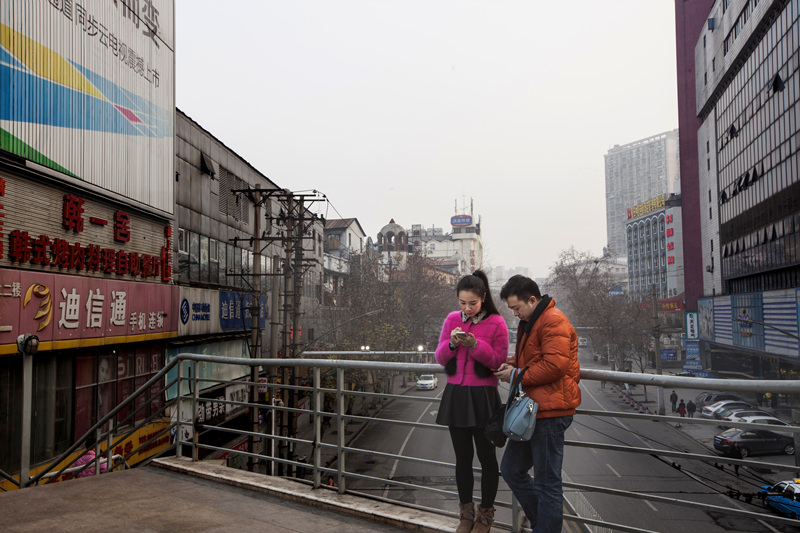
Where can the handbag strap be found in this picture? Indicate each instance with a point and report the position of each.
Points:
(516, 384)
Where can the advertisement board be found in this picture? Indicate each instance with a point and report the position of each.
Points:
(75, 311)
(87, 91)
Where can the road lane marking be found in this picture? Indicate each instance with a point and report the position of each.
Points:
(650, 505)
(612, 469)
(403, 447)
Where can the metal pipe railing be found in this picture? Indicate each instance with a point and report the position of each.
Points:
(342, 450)
(185, 406)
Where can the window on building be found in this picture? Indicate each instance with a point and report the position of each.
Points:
(52, 409)
(203, 258)
(213, 261)
(194, 256)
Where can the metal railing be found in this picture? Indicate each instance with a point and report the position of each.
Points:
(277, 455)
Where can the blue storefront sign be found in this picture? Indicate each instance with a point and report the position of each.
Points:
(234, 311)
(669, 354)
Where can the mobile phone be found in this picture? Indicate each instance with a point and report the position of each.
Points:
(461, 333)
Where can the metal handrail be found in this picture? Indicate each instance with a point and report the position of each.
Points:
(342, 474)
(339, 418)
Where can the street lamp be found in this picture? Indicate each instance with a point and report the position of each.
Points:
(27, 345)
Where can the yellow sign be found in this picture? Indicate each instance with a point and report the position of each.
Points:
(648, 206)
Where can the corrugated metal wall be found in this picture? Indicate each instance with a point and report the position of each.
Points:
(88, 90)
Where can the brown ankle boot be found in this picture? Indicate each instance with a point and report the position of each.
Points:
(483, 524)
(467, 518)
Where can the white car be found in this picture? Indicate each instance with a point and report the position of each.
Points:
(710, 410)
(582, 341)
(427, 382)
(761, 419)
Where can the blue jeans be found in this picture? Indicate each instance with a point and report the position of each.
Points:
(540, 496)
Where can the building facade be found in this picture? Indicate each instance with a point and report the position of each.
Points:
(691, 19)
(747, 86)
(459, 252)
(86, 213)
(655, 248)
(635, 173)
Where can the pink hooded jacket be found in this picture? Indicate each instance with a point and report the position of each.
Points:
(89, 470)
(491, 351)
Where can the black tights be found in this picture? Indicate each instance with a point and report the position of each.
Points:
(490, 473)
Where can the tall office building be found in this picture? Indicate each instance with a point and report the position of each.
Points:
(747, 83)
(635, 173)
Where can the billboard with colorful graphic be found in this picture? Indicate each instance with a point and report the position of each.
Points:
(87, 90)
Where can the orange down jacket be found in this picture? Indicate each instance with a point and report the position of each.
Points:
(549, 347)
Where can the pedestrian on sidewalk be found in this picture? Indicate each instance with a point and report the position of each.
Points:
(682, 408)
(690, 409)
(472, 345)
(673, 399)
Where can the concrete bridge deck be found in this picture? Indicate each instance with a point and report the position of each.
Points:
(176, 495)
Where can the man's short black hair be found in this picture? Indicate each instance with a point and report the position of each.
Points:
(520, 286)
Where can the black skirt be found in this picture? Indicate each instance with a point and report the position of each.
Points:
(467, 407)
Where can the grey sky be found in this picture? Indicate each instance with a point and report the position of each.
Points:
(396, 109)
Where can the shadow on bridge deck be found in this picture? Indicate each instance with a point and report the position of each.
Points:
(176, 495)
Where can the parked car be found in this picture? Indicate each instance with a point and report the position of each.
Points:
(763, 419)
(427, 382)
(713, 410)
(783, 497)
(739, 412)
(728, 415)
(707, 398)
(753, 442)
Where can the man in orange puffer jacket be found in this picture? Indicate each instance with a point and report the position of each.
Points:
(548, 346)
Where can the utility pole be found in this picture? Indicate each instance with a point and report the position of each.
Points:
(255, 308)
(657, 347)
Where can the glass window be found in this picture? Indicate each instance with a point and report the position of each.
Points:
(237, 267)
(213, 261)
(52, 407)
(203, 258)
(194, 256)
(222, 256)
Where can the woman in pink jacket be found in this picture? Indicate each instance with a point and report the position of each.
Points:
(473, 342)
(89, 457)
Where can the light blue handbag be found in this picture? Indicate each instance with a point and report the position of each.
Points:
(520, 419)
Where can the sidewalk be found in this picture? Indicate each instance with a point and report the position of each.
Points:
(176, 495)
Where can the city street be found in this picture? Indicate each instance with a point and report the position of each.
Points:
(693, 480)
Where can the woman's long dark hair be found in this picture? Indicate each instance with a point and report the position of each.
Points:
(478, 283)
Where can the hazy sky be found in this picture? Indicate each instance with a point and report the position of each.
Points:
(398, 108)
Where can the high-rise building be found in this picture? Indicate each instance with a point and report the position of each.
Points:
(655, 248)
(747, 83)
(635, 173)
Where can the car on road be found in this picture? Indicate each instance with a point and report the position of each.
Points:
(753, 442)
(713, 410)
(583, 341)
(427, 382)
(707, 398)
(783, 497)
